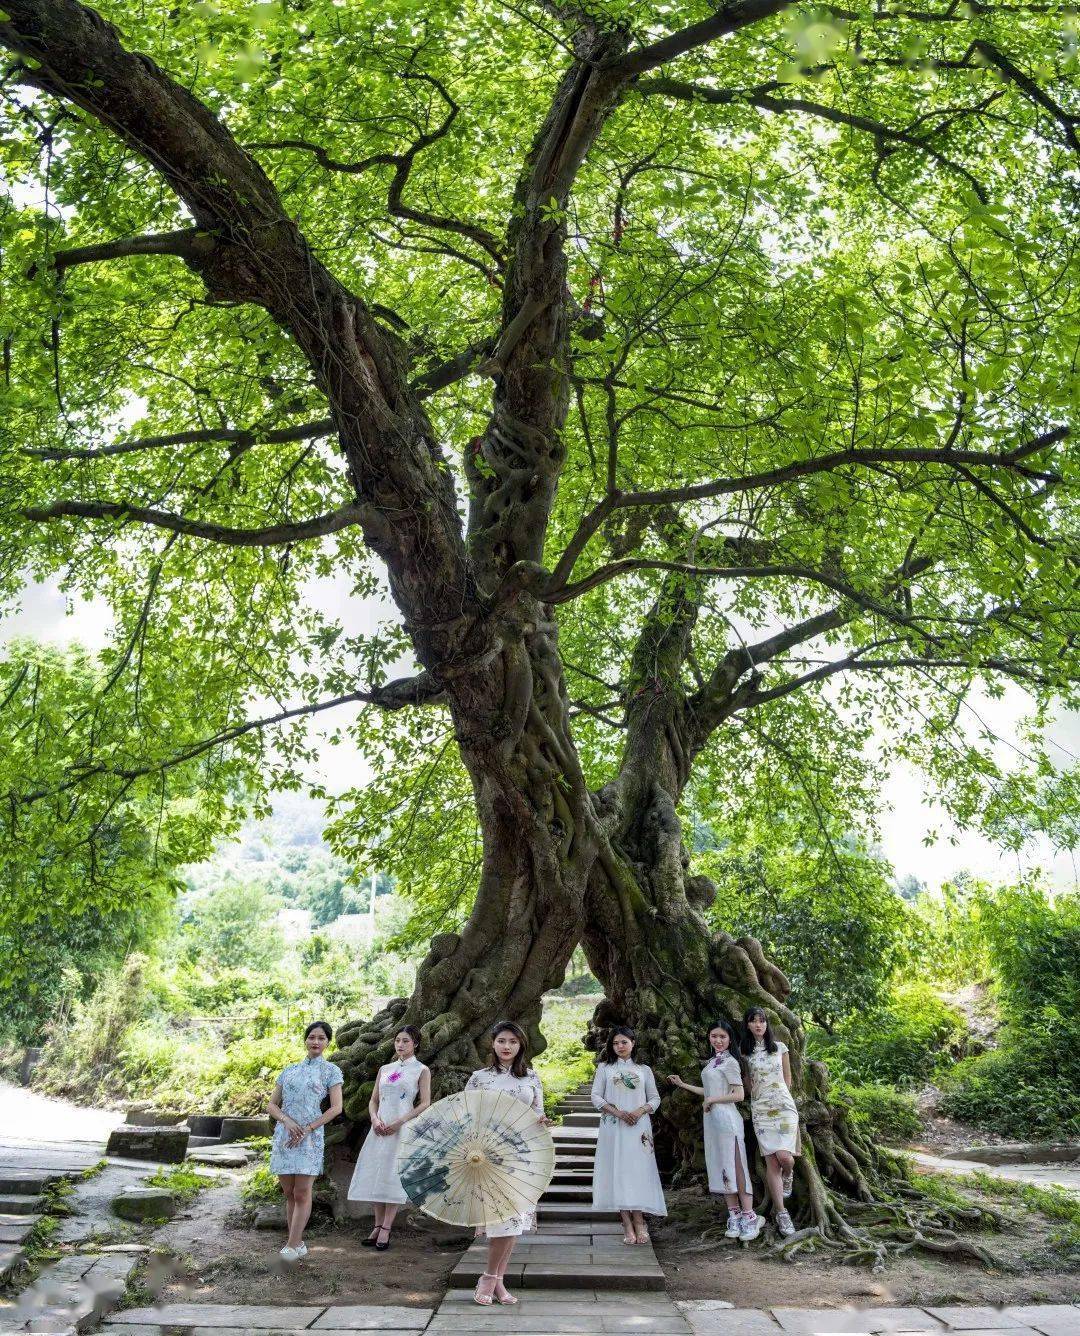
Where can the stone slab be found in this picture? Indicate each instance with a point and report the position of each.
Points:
(119, 1330)
(975, 1319)
(571, 1301)
(1047, 1319)
(536, 1276)
(10, 1234)
(1005, 1331)
(141, 1204)
(814, 1321)
(162, 1145)
(261, 1317)
(733, 1322)
(239, 1129)
(17, 1203)
(373, 1317)
(543, 1323)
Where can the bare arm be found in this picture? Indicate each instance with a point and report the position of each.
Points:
(684, 1085)
(787, 1069)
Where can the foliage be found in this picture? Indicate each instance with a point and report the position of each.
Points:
(1052, 1202)
(952, 944)
(1029, 1087)
(88, 878)
(832, 922)
(260, 1187)
(907, 1041)
(747, 321)
(884, 1113)
(233, 928)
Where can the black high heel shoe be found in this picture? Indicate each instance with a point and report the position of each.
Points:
(372, 1239)
(382, 1247)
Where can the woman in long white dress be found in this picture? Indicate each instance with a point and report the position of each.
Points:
(625, 1176)
(773, 1110)
(402, 1092)
(508, 1071)
(725, 1147)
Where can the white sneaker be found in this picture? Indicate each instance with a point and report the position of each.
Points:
(784, 1223)
(787, 1181)
(734, 1225)
(288, 1254)
(301, 1250)
(750, 1226)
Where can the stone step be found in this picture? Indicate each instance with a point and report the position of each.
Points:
(563, 1175)
(576, 1120)
(19, 1204)
(73, 1294)
(569, 1192)
(575, 1212)
(589, 1272)
(26, 1182)
(10, 1234)
(582, 1163)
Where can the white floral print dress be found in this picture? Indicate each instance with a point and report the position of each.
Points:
(375, 1178)
(772, 1105)
(304, 1086)
(528, 1089)
(625, 1177)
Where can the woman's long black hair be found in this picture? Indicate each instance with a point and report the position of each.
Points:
(609, 1055)
(520, 1066)
(749, 1043)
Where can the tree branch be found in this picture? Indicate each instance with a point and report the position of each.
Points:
(729, 19)
(189, 243)
(395, 695)
(342, 518)
(764, 99)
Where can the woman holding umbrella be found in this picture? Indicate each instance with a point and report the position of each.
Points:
(507, 1071)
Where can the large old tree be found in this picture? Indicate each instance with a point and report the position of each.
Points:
(698, 383)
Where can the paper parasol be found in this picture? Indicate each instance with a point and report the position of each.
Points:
(476, 1158)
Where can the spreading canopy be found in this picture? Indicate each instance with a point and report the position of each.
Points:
(738, 343)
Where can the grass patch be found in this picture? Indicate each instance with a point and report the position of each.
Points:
(182, 1181)
(1054, 1203)
(261, 1187)
(94, 1170)
(941, 1188)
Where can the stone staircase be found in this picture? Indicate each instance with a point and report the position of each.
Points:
(574, 1246)
(20, 1210)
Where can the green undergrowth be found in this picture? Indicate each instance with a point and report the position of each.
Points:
(184, 1182)
(260, 1187)
(1054, 1203)
(884, 1113)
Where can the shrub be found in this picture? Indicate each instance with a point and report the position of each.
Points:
(905, 1042)
(881, 1111)
(1029, 1087)
(1013, 1091)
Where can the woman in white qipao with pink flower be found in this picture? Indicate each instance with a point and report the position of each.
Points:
(402, 1092)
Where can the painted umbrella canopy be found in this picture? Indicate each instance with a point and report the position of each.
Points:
(476, 1158)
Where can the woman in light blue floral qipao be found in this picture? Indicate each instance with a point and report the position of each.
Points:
(297, 1152)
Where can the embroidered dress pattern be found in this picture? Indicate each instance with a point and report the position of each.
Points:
(304, 1086)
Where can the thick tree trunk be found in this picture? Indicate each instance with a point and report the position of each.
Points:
(539, 844)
